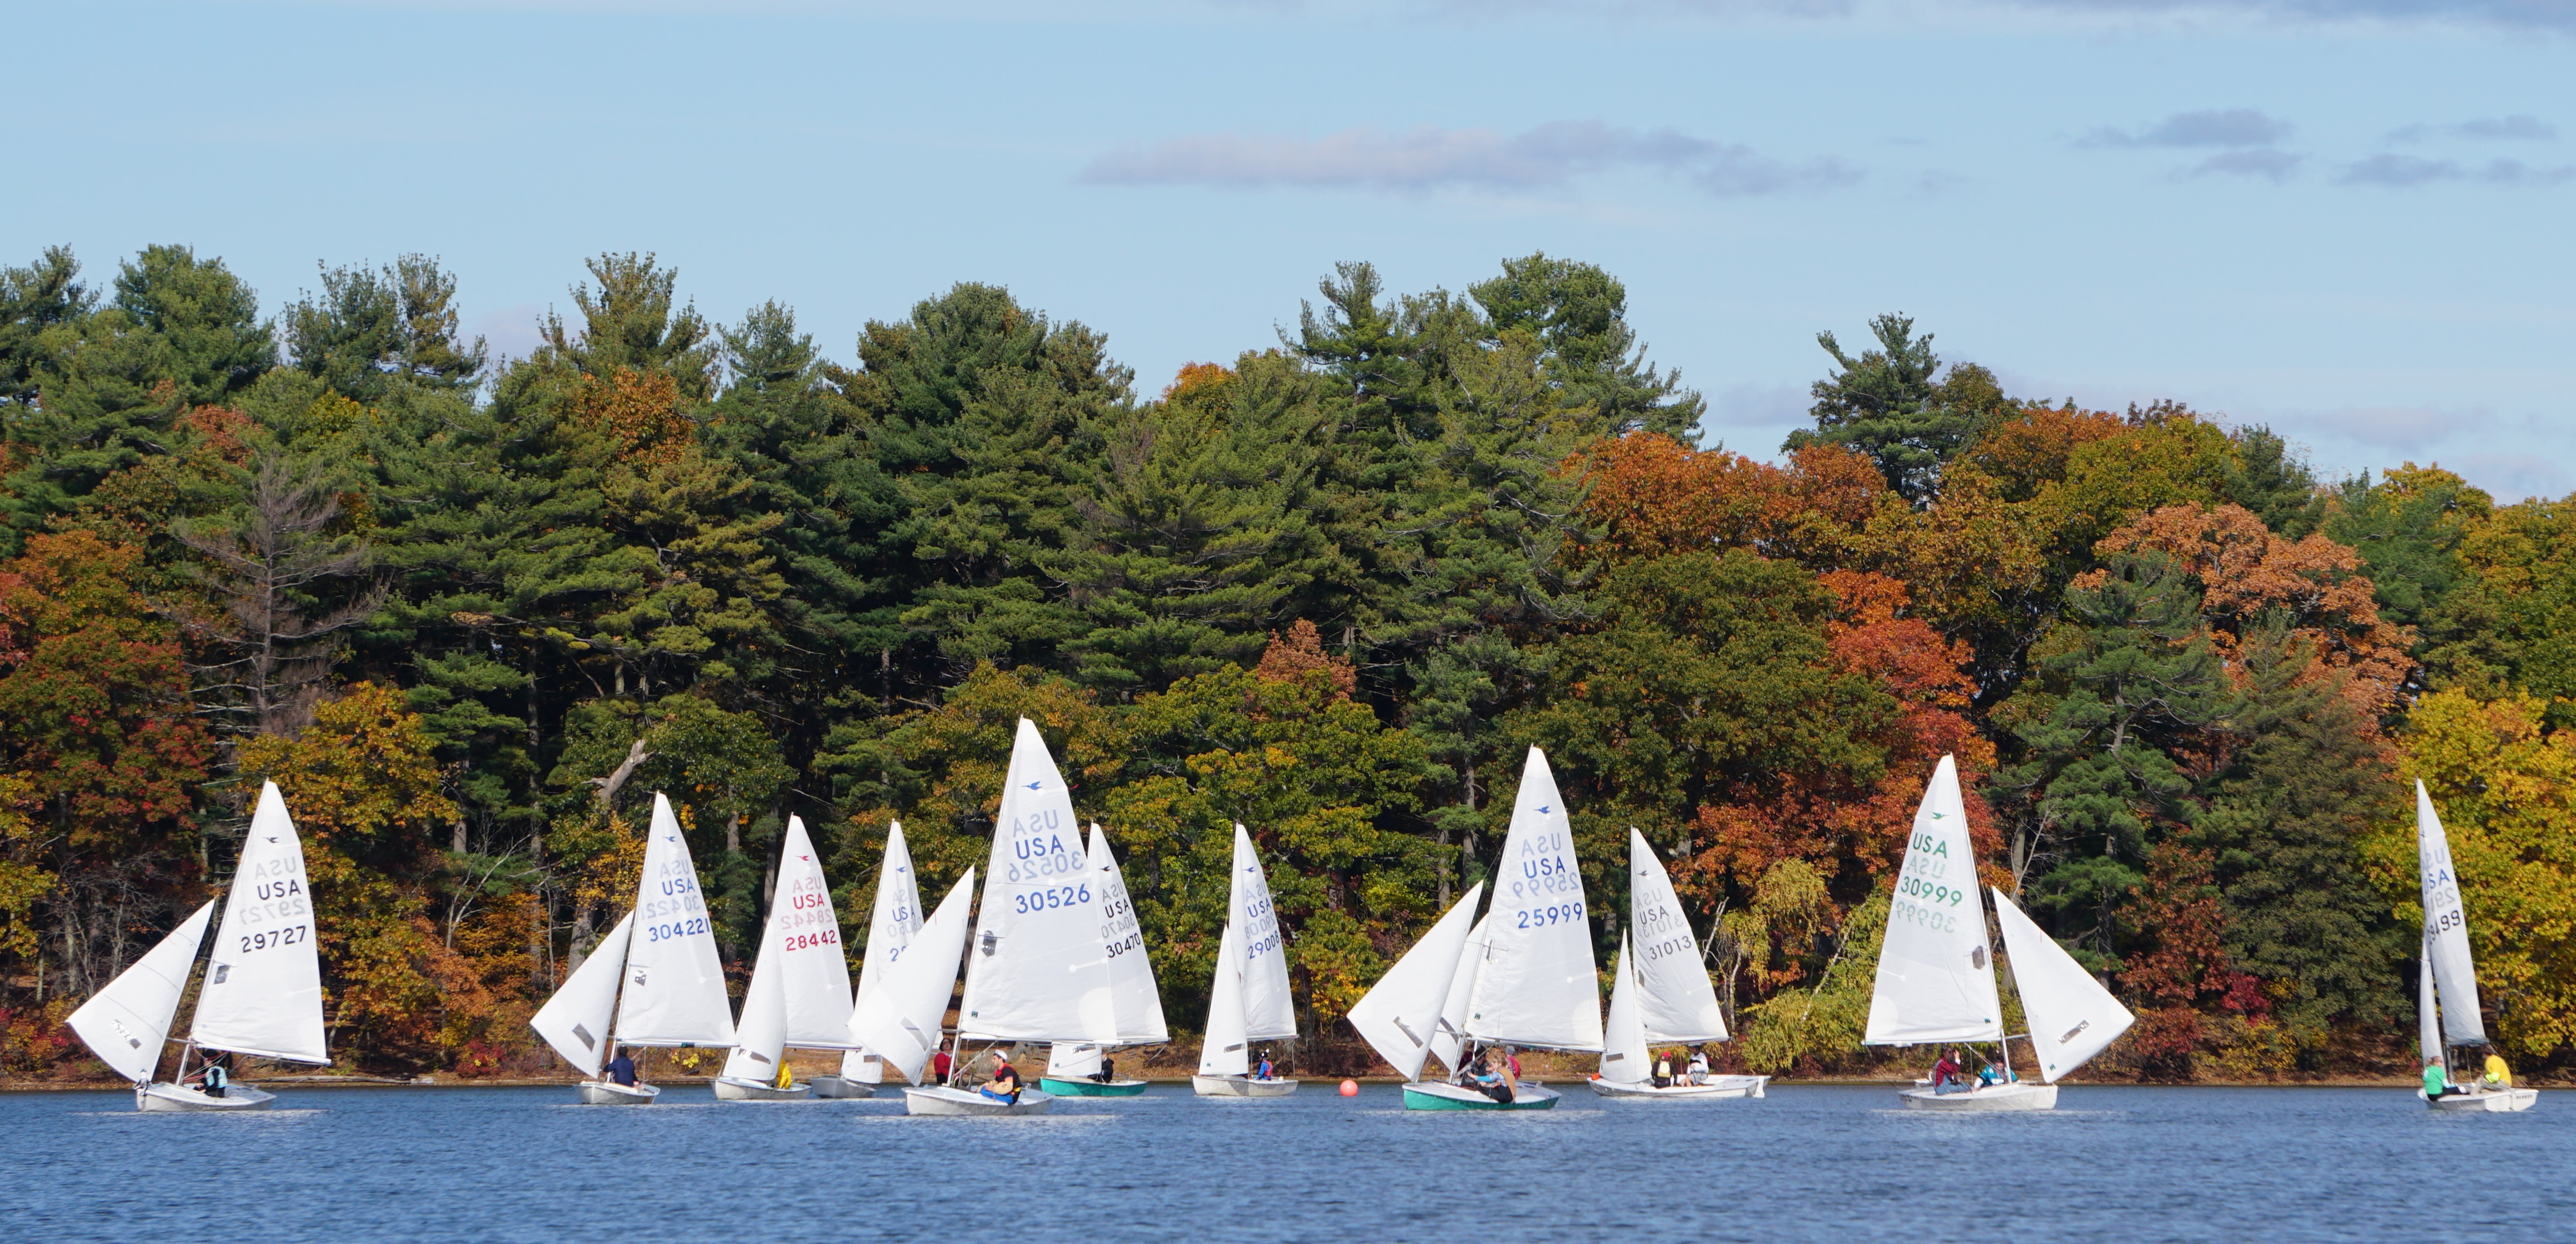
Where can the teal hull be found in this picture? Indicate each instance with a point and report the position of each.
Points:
(1421, 1097)
(1091, 1088)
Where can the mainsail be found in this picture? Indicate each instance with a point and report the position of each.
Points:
(1226, 1051)
(891, 925)
(760, 1036)
(1675, 1001)
(1399, 1014)
(901, 1024)
(675, 987)
(1268, 1013)
(1132, 993)
(126, 1023)
(1038, 969)
(2071, 1015)
(263, 990)
(814, 976)
(575, 1021)
(1538, 986)
(2446, 929)
(1936, 976)
(1624, 1059)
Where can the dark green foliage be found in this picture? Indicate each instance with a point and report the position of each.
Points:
(35, 301)
(1886, 404)
(1580, 315)
(2273, 482)
(2284, 821)
(374, 328)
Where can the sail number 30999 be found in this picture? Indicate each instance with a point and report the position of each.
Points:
(1938, 894)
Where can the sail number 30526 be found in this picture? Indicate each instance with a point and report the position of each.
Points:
(1051, 898)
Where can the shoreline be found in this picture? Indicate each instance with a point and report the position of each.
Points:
(389, 1082)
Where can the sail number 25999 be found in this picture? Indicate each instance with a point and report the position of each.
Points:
(1557, 913)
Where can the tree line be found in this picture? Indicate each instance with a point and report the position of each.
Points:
(471, 611)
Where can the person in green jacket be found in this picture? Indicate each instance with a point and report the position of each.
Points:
(2437, 1082)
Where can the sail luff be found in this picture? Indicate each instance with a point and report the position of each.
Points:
(127, 1022)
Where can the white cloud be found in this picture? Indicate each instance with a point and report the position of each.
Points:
(2207, 127)
(2269, 162)
(2405, 170)
(1427, 157)
(2520, 127)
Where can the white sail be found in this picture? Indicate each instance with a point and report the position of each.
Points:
(1226, 1051)
(126, 1023)
(1624, 1059)
(805, 932)
(2446, 929)
(263, 990)
(1936, 975)
(760, 1036)
(1449, 1032)
(575, 1021)
(902, 1025)
(675, 986)
(1401, 1012)
(1038, 969)
(2428, 1015)
(1139, 1005)
(1268, 1012)
(1073, 1060)
(891, 925)
(1539, 985)
(2071, 1015)
(1675, 1001)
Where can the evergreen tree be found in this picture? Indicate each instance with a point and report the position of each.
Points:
(2273, 482)
(1887, 404)
(1580, 314)
(37, 303)
(373, 327)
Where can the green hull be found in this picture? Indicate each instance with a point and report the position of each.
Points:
(1416, 1099)
(1091, 1088)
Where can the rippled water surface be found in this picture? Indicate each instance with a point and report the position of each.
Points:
(1807, 1163)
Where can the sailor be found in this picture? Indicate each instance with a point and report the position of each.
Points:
(216, 1077)
(786, 1078)
(1945, 1073)
(1005, 1084)
(1108, 1069)
(2437, 1082)
(1699, 1066)
(1663, 1077)
(621, 1069)
(939, 1066)
(1263, 1070)
(1995, 1074)
(2497, 1078)
(1487, 1077)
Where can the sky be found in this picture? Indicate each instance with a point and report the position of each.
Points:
(2351, 220)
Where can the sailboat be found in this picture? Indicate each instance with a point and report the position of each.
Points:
(800, 989)
(1936, 973)
(2446, 998)
(1039, 967)
(1661, 995)
(1248, 1000)
(891, 926)
(653, 981)
(1522, 977)
(1073, 1067)
(263, 988)
(908, 1002)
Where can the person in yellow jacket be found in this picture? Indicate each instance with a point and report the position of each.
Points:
(2497, 1077)
(786, 1077)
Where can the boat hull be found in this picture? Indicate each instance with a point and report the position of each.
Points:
(834, 1087)
(1240, 1086)
(1716, 1088)
(1436, 1096)
(611, 1093)
(165, 1096)
(1091, 1088)
(730, 1089)
(2000, 1097)
(2500, 1101)
(939, 1100)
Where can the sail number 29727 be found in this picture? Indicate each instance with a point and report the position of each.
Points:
(274, 937)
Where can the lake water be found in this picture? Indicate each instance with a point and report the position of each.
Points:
(1821, 1163)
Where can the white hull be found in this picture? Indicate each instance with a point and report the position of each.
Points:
(2023, 1096)
(837, 1087)
(940, 1100)
(1241, 1086)
(164, 1095)
(610, 1093)
(2484, 1102)
(730, 1089)
(1715, 1088)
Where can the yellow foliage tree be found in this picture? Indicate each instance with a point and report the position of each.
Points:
(2506, 788)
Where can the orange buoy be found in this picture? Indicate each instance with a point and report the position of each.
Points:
(1350, 1088)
